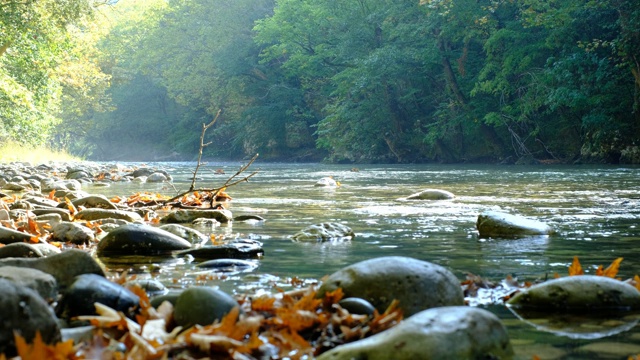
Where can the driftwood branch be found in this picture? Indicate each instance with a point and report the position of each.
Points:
(228, 183)
(202, 146)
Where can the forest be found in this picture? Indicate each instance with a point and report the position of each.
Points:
(358, 81)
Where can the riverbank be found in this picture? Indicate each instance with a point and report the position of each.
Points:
(12, 151)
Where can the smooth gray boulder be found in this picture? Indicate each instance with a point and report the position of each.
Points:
(582, 293)
(64, 266)
(10, 236)
(431, 194)
(22, 310)
(453, 332)
(73, 233)
(94, 201)
(416, 284)
(139, 239)
(39, 281)
(498, 224)
(98, 214)
(322, 232)
(21, 249)
(202, 305)
(189, 215)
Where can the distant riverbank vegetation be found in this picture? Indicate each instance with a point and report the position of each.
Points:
(405, 81)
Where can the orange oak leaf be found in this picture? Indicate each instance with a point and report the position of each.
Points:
(612, 270)
(39, 350)
(575, 268)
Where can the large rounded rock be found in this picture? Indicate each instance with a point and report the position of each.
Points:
(416, 284)
(80, 297)
(39, 281)
(202, 305)
(138, 239)
(324, 232)
(456, 332)
(584, 293)
(431, 194)
(498, 224)
(23, 311)
(64, 266)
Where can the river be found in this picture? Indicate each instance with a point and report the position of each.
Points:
(594, 209)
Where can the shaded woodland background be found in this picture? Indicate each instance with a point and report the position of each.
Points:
(380, 81)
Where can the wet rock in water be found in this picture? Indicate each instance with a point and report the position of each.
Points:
(498, 224)
(431, 194)
(416, 284)
(249, 217)
(202, 305)
(73, 233)
(39, 281)
(64, 266)
(239, 249)
(98, 214)
(151, 286)
(324, 232)
(10, 236)
(193, 236)
(228, 265)
(94, 201)
(22, 310)
(187, 216)
(79, 298)
(19, 250)
(327, 182)
(138, 239)
(156, 177)
(583, 293)
(357, 306)
(453, 332)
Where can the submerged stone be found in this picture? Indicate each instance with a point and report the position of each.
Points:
(431, 194)
(327, 231)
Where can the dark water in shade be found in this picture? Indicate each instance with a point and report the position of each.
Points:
(595, 211)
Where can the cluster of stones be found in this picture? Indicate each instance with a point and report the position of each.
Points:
(45, 289)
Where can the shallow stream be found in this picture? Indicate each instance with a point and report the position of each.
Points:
(595, 211)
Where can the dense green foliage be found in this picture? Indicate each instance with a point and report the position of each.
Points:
(347, 81)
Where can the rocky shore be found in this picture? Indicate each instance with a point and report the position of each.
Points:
(56, 291)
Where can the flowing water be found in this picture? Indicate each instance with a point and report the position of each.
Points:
(595, 211)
